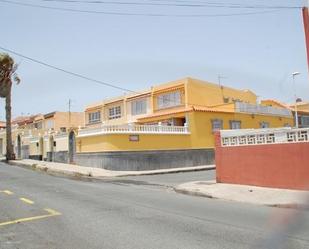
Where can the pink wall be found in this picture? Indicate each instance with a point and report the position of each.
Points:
(275, 165)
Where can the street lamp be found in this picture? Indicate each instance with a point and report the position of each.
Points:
(296, 114)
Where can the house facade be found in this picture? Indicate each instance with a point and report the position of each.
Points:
(301, 107)
(170, 125)
(35, 136)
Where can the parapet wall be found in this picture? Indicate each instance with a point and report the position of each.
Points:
(268, 158)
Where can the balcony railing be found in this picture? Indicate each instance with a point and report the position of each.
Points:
(263, 136)
(259, 109)
(133, 128)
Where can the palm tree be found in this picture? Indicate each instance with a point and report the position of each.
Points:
(7, 77)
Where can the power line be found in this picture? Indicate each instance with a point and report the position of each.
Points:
(97, 81)
(68, 72)
(137, 14)
(176, 4)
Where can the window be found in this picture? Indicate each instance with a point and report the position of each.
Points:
(169, 99)
(38, 125)
(63, 129)
(114, 112)
(139, 107)
(234, 125)
(304, 121)
(94, 117)
(217, 124)
(50, 124)
(264, 125)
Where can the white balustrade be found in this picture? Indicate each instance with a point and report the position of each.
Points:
(133, 128)
(260, 109)
(263, 136)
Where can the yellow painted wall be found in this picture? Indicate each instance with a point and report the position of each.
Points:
(193, 92)
(120, 142)
(208, 94)
(201, 136)
(65, 119)
(271, 103)
(303, 107)
(201, 126)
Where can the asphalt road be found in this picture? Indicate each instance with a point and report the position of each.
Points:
(71, 214)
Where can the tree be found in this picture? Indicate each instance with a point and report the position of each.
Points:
(7, 77)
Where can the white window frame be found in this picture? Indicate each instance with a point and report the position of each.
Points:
(50, 124)
(114, 112)
(94, 117)
(216, 124)
(139, 107)
(167, 100)
(235, 124)
(304, 121)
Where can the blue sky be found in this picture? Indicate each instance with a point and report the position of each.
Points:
(257, 52)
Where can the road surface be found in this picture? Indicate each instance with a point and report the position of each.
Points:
(39, 211)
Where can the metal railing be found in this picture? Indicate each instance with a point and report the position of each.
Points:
(259, 109)
(133, 128)
(263, 136)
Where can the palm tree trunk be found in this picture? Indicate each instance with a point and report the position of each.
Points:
(8, 109)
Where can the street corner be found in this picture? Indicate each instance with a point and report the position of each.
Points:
(274, 197)
(195, 188)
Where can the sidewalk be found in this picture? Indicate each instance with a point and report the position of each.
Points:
(248, 194)
(80, 171)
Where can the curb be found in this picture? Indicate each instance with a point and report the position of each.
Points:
(197, 193)
(77, 174)
(170, 172)
(53, 172)
(193, 193)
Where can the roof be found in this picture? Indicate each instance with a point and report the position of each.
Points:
(299, 104)
(160, 88)
(204, 82)
(222, 109)
(278, 103)
(24, 119)
(130, 96)
(168, 112)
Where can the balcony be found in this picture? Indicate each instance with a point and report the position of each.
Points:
(133, 128)
(260, 109)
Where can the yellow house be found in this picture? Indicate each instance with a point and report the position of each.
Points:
(301, 107)
(170, 125)
(42, 136)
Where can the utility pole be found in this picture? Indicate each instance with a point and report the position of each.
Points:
(221, 87)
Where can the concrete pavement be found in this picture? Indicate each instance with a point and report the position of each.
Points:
(248, 194)
(74, 170)
(117, 215)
